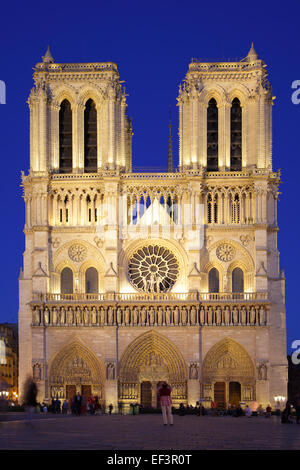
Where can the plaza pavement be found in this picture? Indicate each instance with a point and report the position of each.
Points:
(146, 432)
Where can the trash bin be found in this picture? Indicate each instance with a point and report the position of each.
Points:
(136, 409)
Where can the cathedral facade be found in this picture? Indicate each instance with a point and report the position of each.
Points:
(133, 278)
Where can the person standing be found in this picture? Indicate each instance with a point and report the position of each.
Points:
(30, 395)
(65, 406)
(297, 408)
(166, 403)
(77, 404)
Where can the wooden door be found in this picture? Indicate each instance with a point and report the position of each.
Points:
(234, 393)
(86, 391)
(146, 394)
(219, 394)
(70, 391)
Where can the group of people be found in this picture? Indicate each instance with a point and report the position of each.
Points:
(78, 405)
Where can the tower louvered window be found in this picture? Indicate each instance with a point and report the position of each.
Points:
(236, 136)
(212, 136)
(90, 137)
(65, 137)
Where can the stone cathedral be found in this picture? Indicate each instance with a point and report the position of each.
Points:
(132, 278)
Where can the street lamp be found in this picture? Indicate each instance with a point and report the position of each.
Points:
(280, 399)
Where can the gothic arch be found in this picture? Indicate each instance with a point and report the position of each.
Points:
(93, 258)
(151, 344)
(76, 364)
(244, 257)
(64, 92)
(93, 253)
(229, 361)
(90, 91)
(241, 92)
(213, 91)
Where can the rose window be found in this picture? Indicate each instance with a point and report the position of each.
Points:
(153, 269)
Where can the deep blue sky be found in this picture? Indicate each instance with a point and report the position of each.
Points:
(152, 43)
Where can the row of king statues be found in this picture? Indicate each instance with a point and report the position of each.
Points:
(149, 315)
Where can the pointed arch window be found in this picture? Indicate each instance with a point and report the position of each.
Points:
(235, 209)
(237, 280)
(66, 281)
(212, 209)
(212, 136)
(236, 135)
(91, 281)
(90, 137)
(213, 280)
(65, 137)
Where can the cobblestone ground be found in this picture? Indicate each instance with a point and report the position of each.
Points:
(146, 432)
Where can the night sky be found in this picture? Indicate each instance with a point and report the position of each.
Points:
(152, 44)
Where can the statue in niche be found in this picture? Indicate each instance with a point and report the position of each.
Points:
(46, 317)
(152, 316)
(135, 316)
(218, 316)
(168, 316)
(119, 316)
(252, 316)
(102, 316)
(36, 316)
(262, 372)
(202, 316)
(184, 316)
(235, 316)
(62, 316)
(144, 316)
(78, 316)
(244, 316)
(176, 316)
(227, 315)
(110, 371)
(160, 317)
(54, 316)
(37, 372)
(193, 371)
(94, 315)
(262, 316)
(210, 316)
(86, 316)
(247, 394)
(70, 316)
(193, 315)
(127, 316)
(110, 316)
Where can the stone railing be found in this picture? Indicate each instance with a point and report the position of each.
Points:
(152, 297)
(114, 314)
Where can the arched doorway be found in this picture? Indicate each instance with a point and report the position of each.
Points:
(76, 369)
(147, 361)
(229, 373)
